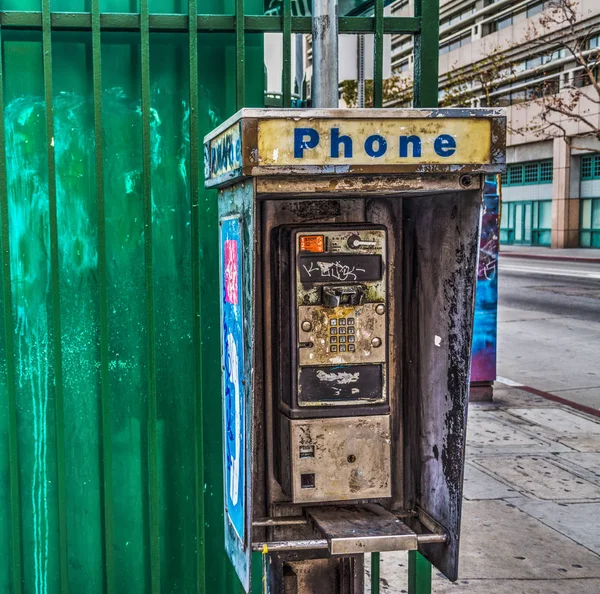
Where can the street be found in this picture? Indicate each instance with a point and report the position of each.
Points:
(549, 327)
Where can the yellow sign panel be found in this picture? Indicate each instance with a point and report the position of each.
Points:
(414, 141)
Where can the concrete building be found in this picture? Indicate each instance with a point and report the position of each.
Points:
(551, 192)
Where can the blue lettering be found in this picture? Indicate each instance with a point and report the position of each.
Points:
(413, 140)
(304, 138)
(381, 145)
(336, 140)
(444, 145)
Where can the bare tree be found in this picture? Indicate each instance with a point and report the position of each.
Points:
(396, 88)
(574, 98)
(465, 87)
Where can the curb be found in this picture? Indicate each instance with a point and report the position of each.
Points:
(580, 407)
(593, 260)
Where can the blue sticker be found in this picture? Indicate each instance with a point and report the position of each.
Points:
(233, 363)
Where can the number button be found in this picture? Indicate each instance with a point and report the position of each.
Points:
(342, 349)
(333, 348)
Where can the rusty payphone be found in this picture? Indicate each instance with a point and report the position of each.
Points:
(348, 245)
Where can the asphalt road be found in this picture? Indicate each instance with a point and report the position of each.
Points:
(549, 327)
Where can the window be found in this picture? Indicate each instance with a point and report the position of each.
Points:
(497, 25)
(535, 9)
(515, 175)
(455, 43)
(531, 173)
(589, 227)
(458, 16)
(594, 42)
(546, 172)
(536, 172)
(590, 167)
(403, 66)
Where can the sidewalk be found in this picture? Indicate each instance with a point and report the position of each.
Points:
(545, 253)
(531, 513)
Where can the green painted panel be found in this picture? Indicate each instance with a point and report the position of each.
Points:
(125, 531)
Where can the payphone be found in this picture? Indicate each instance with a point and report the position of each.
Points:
(348, 246)
(330, 294)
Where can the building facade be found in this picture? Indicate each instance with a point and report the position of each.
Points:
(518, 54)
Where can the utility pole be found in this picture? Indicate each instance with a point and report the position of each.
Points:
(325, 84)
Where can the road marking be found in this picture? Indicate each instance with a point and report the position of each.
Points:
(550, 272)
(508, 382)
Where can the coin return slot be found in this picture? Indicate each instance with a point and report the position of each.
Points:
(307, 481)
(307, 451)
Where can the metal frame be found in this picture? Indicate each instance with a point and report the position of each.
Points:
(424, 25)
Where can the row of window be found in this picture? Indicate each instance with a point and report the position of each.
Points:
(526, 222)
(590, 167)
(538, 172)
(506, 20)
(455, 43)
(458, 16)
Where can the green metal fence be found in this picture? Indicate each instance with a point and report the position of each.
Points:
(110, 403)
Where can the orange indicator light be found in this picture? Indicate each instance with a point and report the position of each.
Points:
(312, 243)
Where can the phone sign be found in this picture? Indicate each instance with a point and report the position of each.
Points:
(233, 373)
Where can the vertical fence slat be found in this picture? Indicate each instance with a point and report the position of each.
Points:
(55, 288)
(11, 372)
(197, 310)
(426, 54)
(152, 461)
(378, 56)
(375, 572)
(286, 75)
(107, 514)
(240, 54)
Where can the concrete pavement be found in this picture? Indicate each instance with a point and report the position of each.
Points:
(549, 327)
(531, 502)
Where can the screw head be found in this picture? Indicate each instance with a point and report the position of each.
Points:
(352, 458)
(306, 326)
(380, 309)
(376, 342)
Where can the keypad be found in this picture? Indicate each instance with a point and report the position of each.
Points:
(341, 335)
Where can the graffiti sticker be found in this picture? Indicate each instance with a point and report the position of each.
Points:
(233, 371)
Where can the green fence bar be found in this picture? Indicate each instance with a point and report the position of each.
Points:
(56, 319)
(378, 55)
(15, 552)
(286, 74)
(152, 454)
(195, 144)
(426, 53)
(106, 479)
(240, 53)
(419, 574)
(375, 572)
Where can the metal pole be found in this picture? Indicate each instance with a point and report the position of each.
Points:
(325, 86)
(361, 71)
